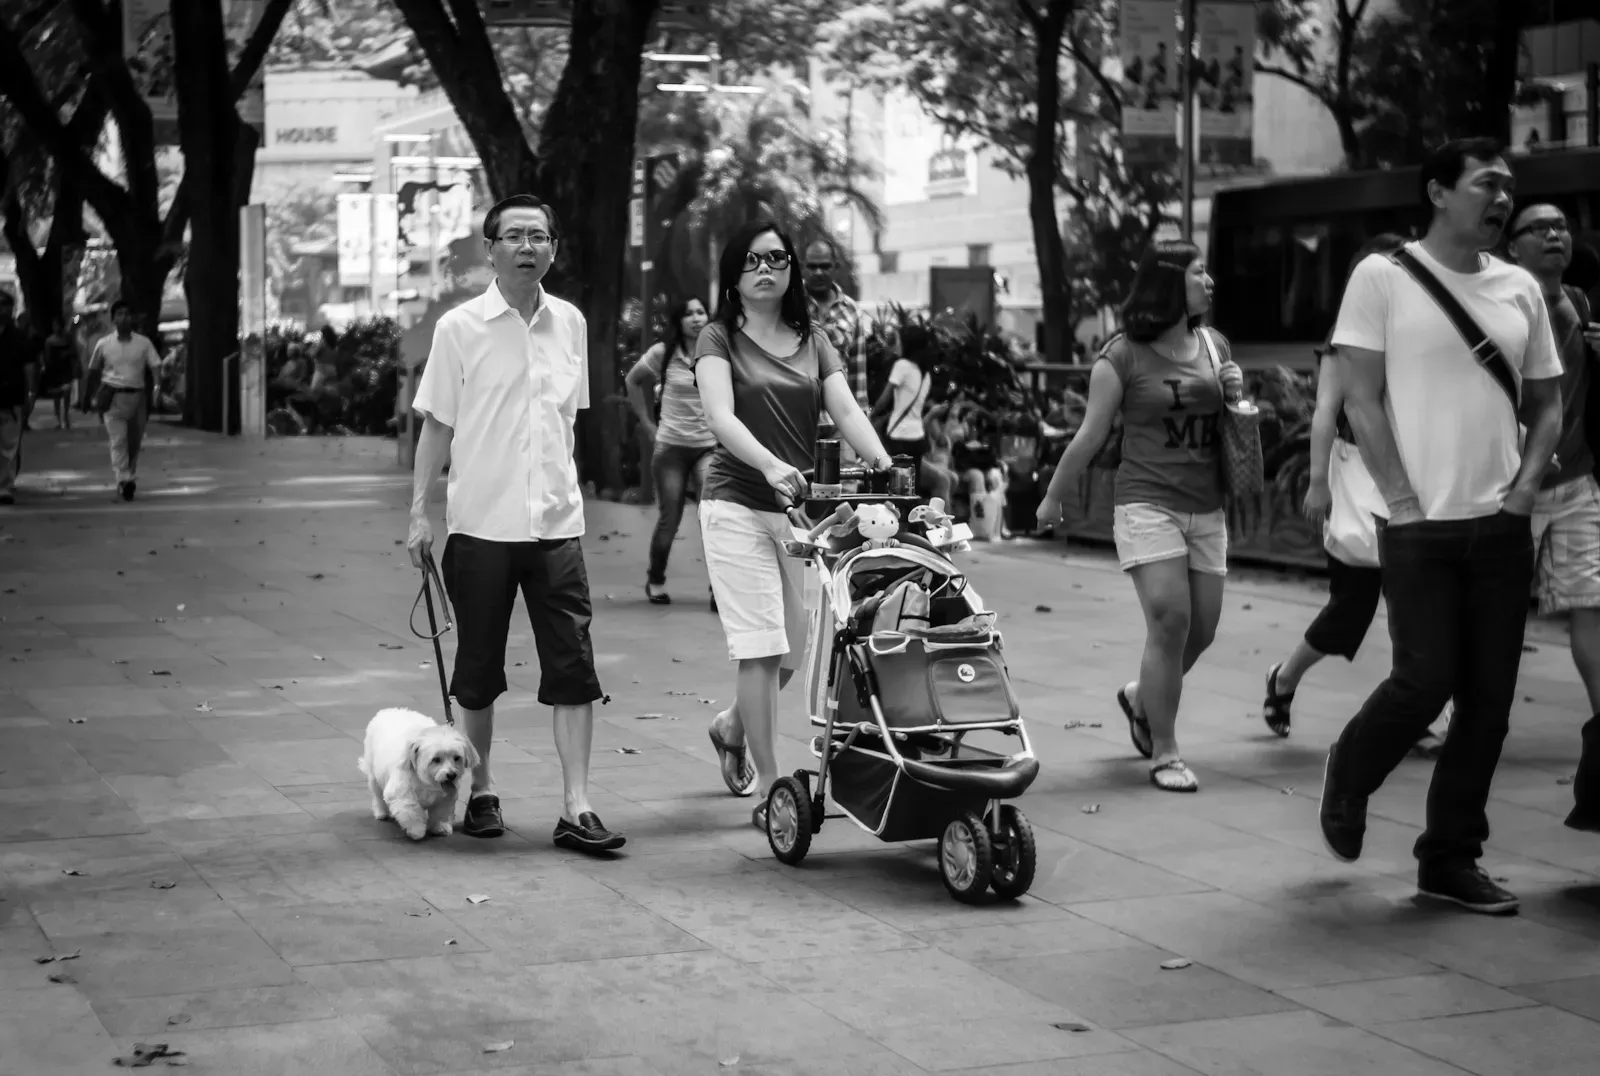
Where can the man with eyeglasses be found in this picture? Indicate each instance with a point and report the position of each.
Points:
(505, 379)
(1566, 513)
(839, 317)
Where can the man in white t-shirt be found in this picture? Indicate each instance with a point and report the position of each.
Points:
(1438, 428)
(505, 380)
(126, 364)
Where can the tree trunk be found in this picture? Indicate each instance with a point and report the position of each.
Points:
(1055, 289)
(1500, 75)
(588, 180)
(207, 122)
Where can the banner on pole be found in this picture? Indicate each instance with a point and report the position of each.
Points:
(1224, 79)
(356, 238)
(1151, 79)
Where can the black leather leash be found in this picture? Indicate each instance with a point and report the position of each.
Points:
(430, 572)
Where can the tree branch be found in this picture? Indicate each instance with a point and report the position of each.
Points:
(102, 36)
(255, 49)
(1031, 13)
(1319, 92)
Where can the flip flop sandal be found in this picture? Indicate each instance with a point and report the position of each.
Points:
(737, 772)
(1138, 727)
(1174, 776)
(1275, 710)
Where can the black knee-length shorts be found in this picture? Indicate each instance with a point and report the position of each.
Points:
(482, 579)
(1353, 595)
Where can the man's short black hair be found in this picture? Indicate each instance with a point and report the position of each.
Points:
(491, 221)
(1446, 164)
(121, 304)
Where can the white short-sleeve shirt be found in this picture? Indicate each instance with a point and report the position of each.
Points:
(511, 390)
(1459, 440)
(124, 364)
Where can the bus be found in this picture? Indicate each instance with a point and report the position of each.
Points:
(1279, 252)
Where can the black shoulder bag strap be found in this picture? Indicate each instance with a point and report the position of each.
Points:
(1484, 350)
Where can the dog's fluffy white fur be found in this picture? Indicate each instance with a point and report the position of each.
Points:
(419, 771)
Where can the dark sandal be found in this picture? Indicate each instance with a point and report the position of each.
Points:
(1174, 776)
(1138, 727)
(1275, 710)
(736, 771)
(656, 596)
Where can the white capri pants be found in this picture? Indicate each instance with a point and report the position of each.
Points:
(761, 591)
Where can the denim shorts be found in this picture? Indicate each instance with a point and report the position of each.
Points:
(1146, 533)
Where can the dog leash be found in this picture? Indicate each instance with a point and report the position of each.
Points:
(430, 571)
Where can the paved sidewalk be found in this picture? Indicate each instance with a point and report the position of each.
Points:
(183, 682)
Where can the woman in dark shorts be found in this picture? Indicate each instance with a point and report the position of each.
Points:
(1354, 589)
(765, 378)
(1168, 378)
(678, 430)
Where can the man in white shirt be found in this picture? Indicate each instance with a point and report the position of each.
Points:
(504, 381)
(1438, 428)
(125, 364)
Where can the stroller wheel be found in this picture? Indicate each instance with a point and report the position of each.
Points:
(966, 857)
(789, 821)
(1015, 855)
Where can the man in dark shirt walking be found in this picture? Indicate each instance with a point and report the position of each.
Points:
(19, 376)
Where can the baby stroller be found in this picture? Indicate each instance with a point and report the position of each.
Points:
(904, 664)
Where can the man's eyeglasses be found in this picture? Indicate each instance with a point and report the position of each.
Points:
(537, 240)
(1548, 227)
(819, 267)
(775, 259)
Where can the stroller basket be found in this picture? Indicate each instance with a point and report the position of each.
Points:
(918, 799)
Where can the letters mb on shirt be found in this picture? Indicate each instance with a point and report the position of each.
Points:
(1193, 431)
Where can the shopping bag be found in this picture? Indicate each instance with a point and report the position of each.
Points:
(1351, 534)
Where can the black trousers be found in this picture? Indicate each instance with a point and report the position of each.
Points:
(1457, 593)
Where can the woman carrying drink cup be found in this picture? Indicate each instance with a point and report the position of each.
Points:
(765, 378)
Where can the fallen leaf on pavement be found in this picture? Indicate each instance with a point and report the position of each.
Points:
(1247, 605)
(160, 672)
(161, 620)
(391, 646)
(181, 1018)
(1563, 780)
(76, 720)
(450, 941)
(1096, 725)
(1090, 808)
(1043, 609)
(205, 708)
(627, 750)
(649, 717)
(146, 1054)
(181, 608)
(52, 958)
(729, 1062)
(424, 664)
(75, 872)
(1074, 725)
(162, 885)
(1177, 963)
(119, 661)
(318, 657)
(499, 1047)
(418, 915)
(319, 575)
(477, 898)
(1529, 648)
(1287, 790)
(1069, 1026)
(63, 978)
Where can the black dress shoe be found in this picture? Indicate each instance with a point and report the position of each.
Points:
(589, 834)
(483, 816)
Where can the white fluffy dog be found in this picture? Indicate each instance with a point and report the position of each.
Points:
(415, 768)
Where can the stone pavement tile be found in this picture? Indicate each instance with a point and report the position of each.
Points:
(762, 916)
(876, 992)
(72, 615)
(1580, 996)
(1009, 941)
(671, 1006)
(211, 629)
(13, 706)
(906, 892)
(1416, 997)
(1512, 1042)
(1500, 951)
(182, 949)
(31, 760)
(51, 1032)
(196, 836)
(648, 863)
(1274, 874)
(121, 756)
(948, 1046)
(51, 674)
(1127, 987)
(288, 869)
(156, 646)
(265, 727)
(297, 762)
(553, 932)
(371, 930)
(1252, 942)
(244, 1007)
(104, 702)
(1304, 1043)
(76, 810)
(868, 1060)
(1135, 1062)
(219, 791)
(307, 1048)
(1070, 872)
(507, 869)
(1565, 905)
(145, 728)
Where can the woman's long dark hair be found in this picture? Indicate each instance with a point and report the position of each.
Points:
(794, 311)
(676, 341)
(1159, 296)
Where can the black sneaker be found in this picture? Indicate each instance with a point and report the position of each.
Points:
(1469, 887)
(1343, 818)
(483, 816)
(588, 834)
(128, 488)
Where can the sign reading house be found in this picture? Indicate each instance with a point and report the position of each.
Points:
(292, 136)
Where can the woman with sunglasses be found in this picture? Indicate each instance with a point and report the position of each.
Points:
(765, 378)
